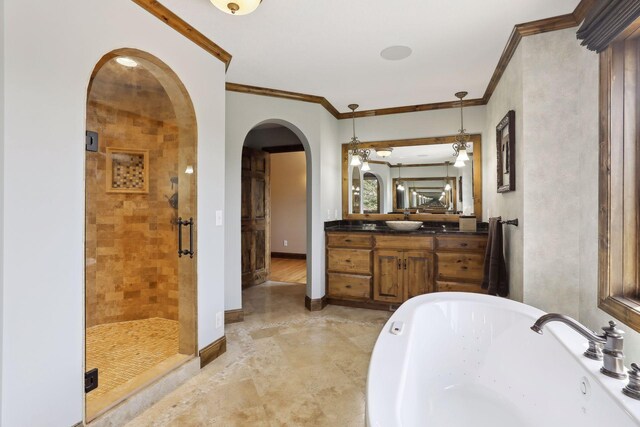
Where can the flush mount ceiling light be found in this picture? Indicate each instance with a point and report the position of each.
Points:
(384, 152)
(127, 62)
(462, 138)
(237, 7)
(396, 53)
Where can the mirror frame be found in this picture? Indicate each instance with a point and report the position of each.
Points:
(476, 139)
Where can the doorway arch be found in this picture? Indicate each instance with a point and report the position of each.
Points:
(140, 177)
(304, 142)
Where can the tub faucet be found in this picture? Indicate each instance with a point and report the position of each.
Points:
(612, 339)
(406, 214)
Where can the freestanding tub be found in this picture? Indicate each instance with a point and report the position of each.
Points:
(457, 359)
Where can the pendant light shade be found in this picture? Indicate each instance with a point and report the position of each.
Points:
(365, 166)
(447, 187)
(462, 154)
(355, 161)
(459, 163)
(237, 7)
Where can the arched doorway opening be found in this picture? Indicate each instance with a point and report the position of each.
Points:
(276, 205)
(140, 226)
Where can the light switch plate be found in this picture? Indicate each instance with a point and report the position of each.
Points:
(218, 217)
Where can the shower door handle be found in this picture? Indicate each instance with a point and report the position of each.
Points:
(185, 223)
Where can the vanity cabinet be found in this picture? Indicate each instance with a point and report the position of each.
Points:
(460, 263)
(377, 270)
(400, 275)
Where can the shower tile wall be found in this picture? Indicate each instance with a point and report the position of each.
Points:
(131, 244)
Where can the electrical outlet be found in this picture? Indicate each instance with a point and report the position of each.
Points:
(218, 217)
(285, 243)
(219, 319)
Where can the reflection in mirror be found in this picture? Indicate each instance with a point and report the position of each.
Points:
(355, 190)
(418, 178)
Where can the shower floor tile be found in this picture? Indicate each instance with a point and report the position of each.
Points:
(129, 355)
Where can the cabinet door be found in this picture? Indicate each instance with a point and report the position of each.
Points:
(417, 267)
(387, 276)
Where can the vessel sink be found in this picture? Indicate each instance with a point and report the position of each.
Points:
(404, 225)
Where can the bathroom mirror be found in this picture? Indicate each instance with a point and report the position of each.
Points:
(414, 176)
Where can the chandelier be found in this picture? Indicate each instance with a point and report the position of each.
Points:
(359, 155)
(462, 138)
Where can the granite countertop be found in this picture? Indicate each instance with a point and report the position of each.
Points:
(381, 228)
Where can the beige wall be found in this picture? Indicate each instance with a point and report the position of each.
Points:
(289, 202)
(552, 83)
(507, 96)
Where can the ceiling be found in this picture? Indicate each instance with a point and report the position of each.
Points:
(331, 48)
(419, 154)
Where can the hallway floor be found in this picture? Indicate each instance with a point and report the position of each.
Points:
(128, 355)
(288, 270)
(284, 366)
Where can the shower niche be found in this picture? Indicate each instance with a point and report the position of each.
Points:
(140, 294)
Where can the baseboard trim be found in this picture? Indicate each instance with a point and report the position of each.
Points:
(315, 304)
(371, 305)
(288, 255)
(212, 351)
(233, 316)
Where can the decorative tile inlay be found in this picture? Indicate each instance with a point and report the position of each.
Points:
(128, 171)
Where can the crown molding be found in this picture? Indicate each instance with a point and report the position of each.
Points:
(519, 31)
(277, 93)
(180, 25)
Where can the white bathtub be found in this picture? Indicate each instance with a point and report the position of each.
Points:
(471, 360)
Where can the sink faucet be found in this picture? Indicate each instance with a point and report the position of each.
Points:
(612, 340)
(406, 214)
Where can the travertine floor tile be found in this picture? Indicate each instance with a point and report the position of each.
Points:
(284, 366)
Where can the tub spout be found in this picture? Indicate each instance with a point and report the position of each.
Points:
(573, 324)
(611, 339)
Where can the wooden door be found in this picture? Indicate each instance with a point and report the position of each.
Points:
(417, 267)
(387, 276)
(256, 217)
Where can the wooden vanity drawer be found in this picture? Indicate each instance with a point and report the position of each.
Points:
(349, 260)
(344, 240)
(464, 243)
(465, 266)
(404, 242)
(459, 287)
(349, 286)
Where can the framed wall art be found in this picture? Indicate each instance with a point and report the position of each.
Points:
(506, 151)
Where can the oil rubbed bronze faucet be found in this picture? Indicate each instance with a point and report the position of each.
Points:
(612, 339)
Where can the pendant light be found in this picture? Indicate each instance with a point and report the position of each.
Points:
(400, 186)
(462, 138)
(237, 7)
(358, 155)
(447, 186)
